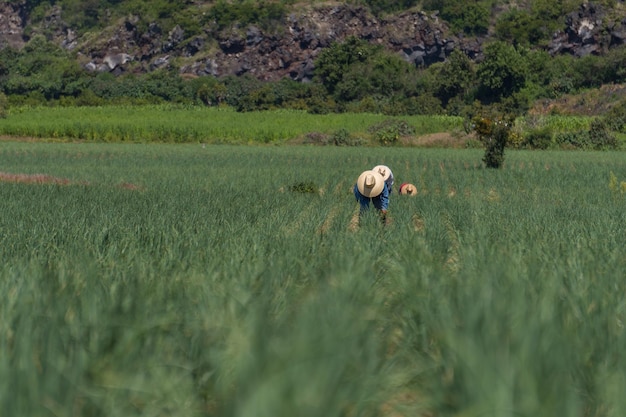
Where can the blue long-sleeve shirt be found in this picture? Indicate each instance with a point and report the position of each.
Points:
(381, 201)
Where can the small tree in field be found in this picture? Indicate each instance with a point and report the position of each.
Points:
(494, 134)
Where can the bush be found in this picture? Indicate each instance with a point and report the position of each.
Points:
(342, 137)
(598, 138)
(540, 138)
(389, 131)
(494, 135)
(577, 140)
(615, 119)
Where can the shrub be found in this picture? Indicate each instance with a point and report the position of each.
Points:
(540, 138)
(342, 137)
(616, 118)
(494, 134)
(578, 139)
(600, 137)
(389, 131)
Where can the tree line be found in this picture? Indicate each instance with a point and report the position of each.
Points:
(352, 75)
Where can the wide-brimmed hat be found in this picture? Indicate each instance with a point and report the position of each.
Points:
(408, 189)
(370, 183)
(383, 170)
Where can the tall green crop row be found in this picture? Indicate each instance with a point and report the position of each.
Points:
(175, 124)
(196, 281)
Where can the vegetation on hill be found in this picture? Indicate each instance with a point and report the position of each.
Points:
(351, 76)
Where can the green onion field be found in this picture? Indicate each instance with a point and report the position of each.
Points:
(235, 281)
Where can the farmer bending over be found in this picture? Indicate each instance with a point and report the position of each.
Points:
(371, 187)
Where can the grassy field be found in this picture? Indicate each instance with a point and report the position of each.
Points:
(190, 280)
(177, 124)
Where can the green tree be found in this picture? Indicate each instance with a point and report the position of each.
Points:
(353, 70)
(41, 67)
(494, 133)
(454, 77)
(502, 72)
(336, 60)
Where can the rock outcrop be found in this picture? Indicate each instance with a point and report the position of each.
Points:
(590, 30)
(420, 38)
(12, 24)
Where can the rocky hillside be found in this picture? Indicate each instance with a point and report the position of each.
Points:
(289, 51)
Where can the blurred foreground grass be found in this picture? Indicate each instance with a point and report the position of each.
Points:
(169, 280)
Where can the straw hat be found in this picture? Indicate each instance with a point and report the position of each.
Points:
(370, 183)
(383, 170)
(408, 189)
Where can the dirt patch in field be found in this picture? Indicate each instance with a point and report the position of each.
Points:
(33, 179)
(7, 138)
(49, 179)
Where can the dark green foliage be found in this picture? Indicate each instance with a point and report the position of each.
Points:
(455, 77)
(342, 137)
(520, 28)
(334, 61)
(155, 87)
(206, 90)
(389, 131)
(598, 138)
(306, 187)
(540, 138)
(577, 140)
(471, 18)
(366, 75)
(40, 67)
(353, 75)
(534, 25)
(494, 135)
(502, 72)
(615, 119)
(263, 13)
(425, 103)
(246, 93)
